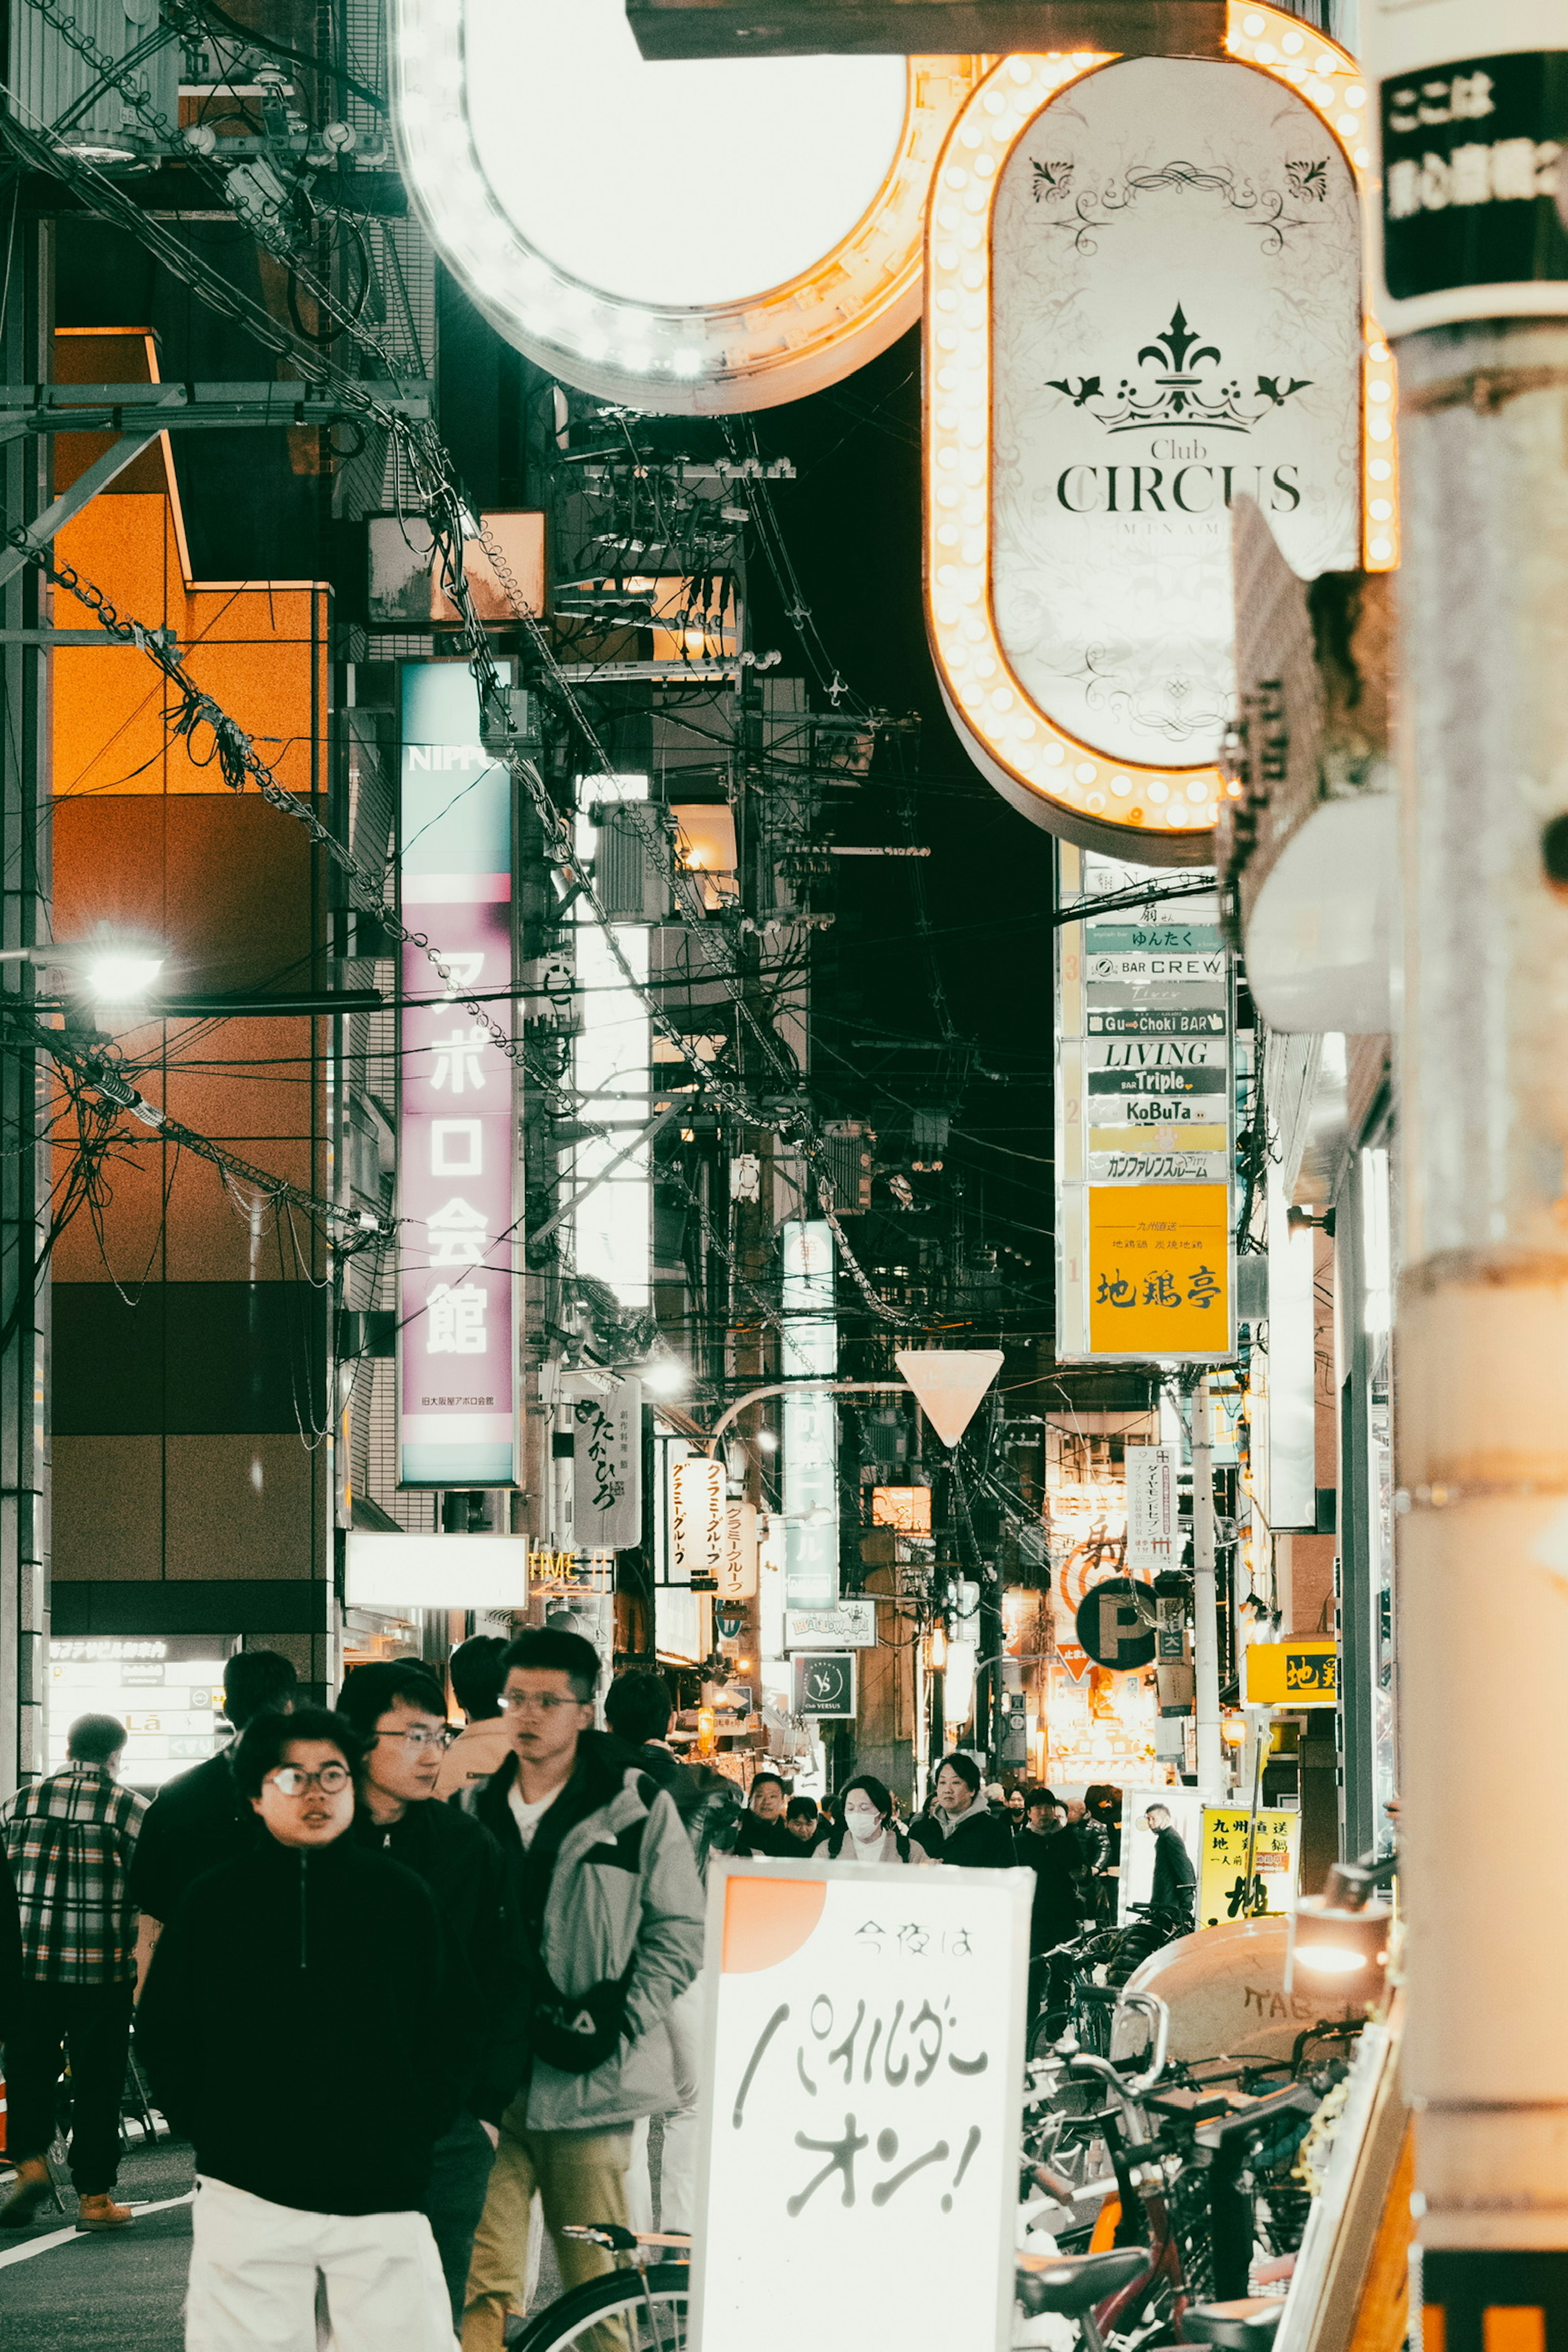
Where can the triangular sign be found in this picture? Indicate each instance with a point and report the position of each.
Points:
(950, 1383)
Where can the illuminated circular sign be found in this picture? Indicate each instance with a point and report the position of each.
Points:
(1143, 301)
(699, 237)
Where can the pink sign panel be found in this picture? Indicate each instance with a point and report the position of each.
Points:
(457, 1316)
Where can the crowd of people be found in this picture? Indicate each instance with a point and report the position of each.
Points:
(403, 1990)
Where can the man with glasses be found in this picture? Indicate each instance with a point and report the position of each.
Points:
(399, 1711)
(298, 2026)
(604, 1892)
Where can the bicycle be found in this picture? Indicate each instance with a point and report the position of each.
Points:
(647, 2301)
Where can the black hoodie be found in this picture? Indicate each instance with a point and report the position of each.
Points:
(297, 2025)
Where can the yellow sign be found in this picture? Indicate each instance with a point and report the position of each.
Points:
(1291, 1674)
(908, 1508)
(1226, 1888)
(1159, 1270)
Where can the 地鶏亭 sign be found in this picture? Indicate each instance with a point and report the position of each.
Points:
(1159, 1270)
(1227, 1889)
(456, 1160)
(859, 2172)
(1291, 1674)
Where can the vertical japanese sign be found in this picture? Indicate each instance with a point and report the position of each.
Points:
(809, 1349)
(1151, 1508)
(698, 1519)
(457, 1379)
(738, 1566)
(606, 1469)
(860, 2124)
(1226, 1888)
(1145, 1109)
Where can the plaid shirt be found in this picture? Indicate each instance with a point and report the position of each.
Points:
(68, 1839)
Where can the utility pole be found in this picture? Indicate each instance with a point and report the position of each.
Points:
(26, 338)
(1205, 1622)
(1481, 1334)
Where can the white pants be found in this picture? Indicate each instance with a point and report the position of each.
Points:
(678, 2169)
(272, 2278)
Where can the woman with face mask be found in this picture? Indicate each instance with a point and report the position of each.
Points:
(869, 1833)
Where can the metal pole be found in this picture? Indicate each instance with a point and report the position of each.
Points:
(1482, 1332)
(1205, 1624)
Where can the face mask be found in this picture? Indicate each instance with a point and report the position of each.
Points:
(863, 1827)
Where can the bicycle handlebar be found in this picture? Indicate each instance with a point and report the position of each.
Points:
(1151, 2006)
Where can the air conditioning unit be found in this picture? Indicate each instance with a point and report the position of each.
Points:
(632, 862)
(845, 1163)
(57, 92)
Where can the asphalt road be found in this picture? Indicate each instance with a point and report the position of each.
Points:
(62, 2290)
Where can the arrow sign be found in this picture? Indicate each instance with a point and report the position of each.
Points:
(949, 1383)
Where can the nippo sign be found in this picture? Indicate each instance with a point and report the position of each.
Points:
(858, 2175)
(1143, 302)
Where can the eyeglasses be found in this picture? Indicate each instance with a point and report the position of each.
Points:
(535, 1702)
(421, 1739)
(290, 1781)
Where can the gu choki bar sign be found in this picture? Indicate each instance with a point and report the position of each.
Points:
(1143, 303)
(457, 1339)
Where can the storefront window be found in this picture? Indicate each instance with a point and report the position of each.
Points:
(167, 1690)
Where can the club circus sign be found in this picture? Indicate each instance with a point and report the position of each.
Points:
(1143, 301)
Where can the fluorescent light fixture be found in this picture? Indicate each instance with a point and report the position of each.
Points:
(553, 166)
(388, 1571)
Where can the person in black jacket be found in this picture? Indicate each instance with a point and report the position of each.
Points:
(199, 1818)
(973, 1836)
(297, 2025)
(399, 1709)
(1176, 1880)
(763, 1829)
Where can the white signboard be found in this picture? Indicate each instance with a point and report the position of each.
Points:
(1135, 1881)
(858, 2175)
(434, 1572)
(606, 1469)
(738, 1566)
(1152, 1536)
(847, 1625)
(698, 1517)
(1177, 258)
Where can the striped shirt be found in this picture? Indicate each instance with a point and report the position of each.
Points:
(68, 1839)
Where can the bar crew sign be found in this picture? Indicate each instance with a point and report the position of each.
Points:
(1473, 168)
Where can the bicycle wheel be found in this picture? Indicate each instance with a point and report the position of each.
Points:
(625, 2311)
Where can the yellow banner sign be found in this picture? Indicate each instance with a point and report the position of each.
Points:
(1227, 1889)
(1159, 1270)
(1291, 1674)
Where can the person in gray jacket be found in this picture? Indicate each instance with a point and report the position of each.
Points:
(606, 1901)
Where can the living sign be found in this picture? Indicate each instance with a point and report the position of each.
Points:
(1143, 303)
(860, 2121)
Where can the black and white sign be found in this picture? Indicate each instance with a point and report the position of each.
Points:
(606, 1469)
(1472, 173)
(824, 1683)
(857, 2182)
(1114, 1629)
(1177, 324)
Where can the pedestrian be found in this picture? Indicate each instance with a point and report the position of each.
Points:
(604, 1893)
(766, 1828)
(871, 1832)
(638, 1710)
(1045, 1847)
(1017, 1810)
(1087, 1821)
(199, 1818)
(69, 1842)
(804, 1822)
(1176, 1880)
(298, 2026)
(398, 1711)
(972, 1834)
(481, 1746)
